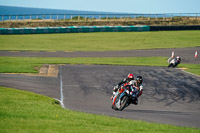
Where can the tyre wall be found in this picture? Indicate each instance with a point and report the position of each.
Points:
(171, 28)
(73, 29)
(85, 29)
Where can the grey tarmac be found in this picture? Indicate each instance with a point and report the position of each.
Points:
(187, 54)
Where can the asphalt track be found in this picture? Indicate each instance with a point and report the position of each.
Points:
(187, 54)
(170, 95)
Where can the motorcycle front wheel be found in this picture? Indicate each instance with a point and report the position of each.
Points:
(123, 103)
(114, 105)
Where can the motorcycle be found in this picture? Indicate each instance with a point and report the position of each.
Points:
(173, 62)
(124, 97)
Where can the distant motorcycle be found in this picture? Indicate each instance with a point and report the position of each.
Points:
(124, 97)
(173, 62)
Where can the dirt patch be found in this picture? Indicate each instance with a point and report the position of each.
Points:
(45, 71)
(182, 68)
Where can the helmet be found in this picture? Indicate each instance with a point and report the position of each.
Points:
(130, 76)
(178, 58)
(139, 79)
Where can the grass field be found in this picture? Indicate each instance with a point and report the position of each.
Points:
(103, 41)
(26, 112)
(32, 64)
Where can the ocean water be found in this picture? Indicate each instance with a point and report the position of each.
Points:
(10, 10)
(13, 13)
(20, 13)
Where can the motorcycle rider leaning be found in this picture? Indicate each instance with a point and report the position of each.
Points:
(139, 86)
(133, 83)
(174, 61)
(126, 81)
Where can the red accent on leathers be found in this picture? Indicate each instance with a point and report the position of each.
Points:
(140, 93)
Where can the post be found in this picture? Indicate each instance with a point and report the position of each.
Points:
(171, 16)
(78, 17)
(196, 16)
(163, 17)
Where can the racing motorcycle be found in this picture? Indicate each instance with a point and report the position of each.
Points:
(124, 97)
(173, 62)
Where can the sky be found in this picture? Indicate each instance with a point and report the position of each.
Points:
(119, 6)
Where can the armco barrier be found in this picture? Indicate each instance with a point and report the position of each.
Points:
(171, 28)
(73, 29)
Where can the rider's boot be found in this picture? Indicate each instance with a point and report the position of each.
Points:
(135, 101)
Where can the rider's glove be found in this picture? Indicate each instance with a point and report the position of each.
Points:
(115, 88)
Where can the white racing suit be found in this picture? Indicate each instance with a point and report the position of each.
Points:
(173, 62)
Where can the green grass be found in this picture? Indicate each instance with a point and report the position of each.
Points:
(31, 64)
(26, 112)
(192, 68)
(27, 64)
(103, 41)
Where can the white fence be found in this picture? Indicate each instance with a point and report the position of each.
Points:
(88, 17)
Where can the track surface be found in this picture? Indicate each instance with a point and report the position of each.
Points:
(187, 54)
(170, 96)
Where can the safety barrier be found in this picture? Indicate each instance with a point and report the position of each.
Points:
(73, 29)
(170, 28)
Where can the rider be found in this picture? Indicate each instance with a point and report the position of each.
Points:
(174, 61)
(139, 87)
(125, 81)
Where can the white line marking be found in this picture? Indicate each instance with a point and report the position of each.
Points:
(61, 89)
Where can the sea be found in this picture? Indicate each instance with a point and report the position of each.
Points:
(11, 10)
(22, 13)
(12, 13)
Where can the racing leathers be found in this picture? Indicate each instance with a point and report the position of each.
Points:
(135, 89)
(124, 82)
(139, 87)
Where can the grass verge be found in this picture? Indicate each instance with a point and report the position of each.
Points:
(31, 64)
(103, 41)
(22, 111)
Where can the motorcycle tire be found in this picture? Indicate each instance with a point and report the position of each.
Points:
(124, 101)
(115, 108)
(170, 65)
